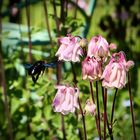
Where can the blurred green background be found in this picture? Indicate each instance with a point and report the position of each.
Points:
(30, 105)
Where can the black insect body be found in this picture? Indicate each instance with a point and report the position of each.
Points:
(34, 70)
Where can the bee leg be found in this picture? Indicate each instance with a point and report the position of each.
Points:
(43, 69)
(33, 79)
(37, 76)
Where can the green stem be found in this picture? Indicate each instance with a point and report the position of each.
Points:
(131, 106)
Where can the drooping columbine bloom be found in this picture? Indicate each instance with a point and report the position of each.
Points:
(90, 107)
(69, 49)
(91, 69)
(65, 100)
(99, 48)
(114, 75)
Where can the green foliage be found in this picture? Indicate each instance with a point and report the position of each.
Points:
(30, 104)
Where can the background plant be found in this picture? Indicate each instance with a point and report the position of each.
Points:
(30, 107)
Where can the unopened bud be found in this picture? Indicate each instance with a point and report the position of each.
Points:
(113, 46)
(129, 65)
(83, 43)
(90, 108)
(14, 11)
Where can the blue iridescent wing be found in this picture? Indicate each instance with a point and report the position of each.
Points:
(50, 65)
(27, 66)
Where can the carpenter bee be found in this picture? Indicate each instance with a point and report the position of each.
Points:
(34, 70)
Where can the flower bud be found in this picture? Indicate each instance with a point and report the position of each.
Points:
(129, 65)
(83, 43)
(90, 108)
(113, 46)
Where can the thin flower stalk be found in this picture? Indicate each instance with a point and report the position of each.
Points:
(108, 125)
(110, 128)
(98, 108)
(83, 119)
(7, 112)
(62, 16)
(96, 119)
(104, 98)
(3, 84)
(81, 110)
(47, 21)
(63, 126)
(59, 75)
(75, 10)
(113, 107)
(29, 30)
(105, 112)
(56, 18)
(59, 64)
(131, 106)
(66, 8)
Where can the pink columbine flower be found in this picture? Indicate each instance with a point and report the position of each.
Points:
(90, 107)
(65, 100)
(69, 49)
(114, 75)
(99, 48)
(91, 69)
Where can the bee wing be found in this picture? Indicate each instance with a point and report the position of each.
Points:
(27, 66)
(50, 65)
